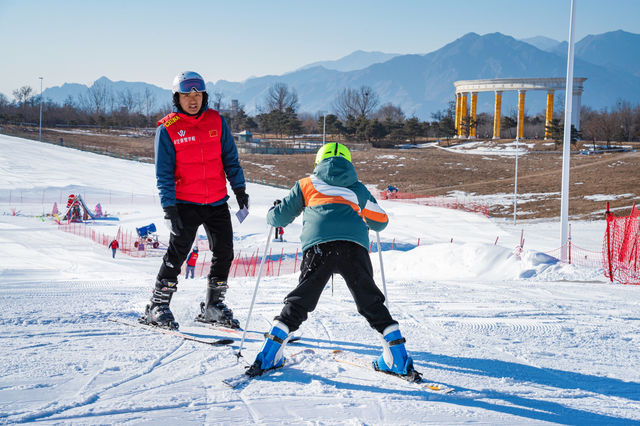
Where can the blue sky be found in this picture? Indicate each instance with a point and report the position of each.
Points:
(80, 41)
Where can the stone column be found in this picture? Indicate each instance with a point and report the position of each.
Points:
(497, 111)
(474, 106)
(521, 94)
(463, 111)
(457, 121)
(548, 115)
(575, 109)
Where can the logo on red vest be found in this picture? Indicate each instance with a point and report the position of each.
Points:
(213, 133)
(182, 139)
(171, 121)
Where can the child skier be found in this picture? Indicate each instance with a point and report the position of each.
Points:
(191, 263)
(338, 212)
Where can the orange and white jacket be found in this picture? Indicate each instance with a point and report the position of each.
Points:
(335, 206)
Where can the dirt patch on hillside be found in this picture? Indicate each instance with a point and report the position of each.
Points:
(432, 170)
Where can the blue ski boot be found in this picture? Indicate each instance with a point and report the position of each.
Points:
(271, 355)
(394, 359)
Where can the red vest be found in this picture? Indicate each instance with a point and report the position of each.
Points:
(199, 174)
(193, 258)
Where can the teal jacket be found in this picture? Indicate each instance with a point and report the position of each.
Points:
(335, 206)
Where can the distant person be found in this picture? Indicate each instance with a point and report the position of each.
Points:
(191, 263)
(279, 230)
(279, 234)
(392, 191)
(338, 212)
(114, 247)
(195, 156)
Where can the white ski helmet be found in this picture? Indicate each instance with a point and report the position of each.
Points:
(188, 81)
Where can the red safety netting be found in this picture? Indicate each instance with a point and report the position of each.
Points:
(244, 265)
(436, 201)
(579, 256)
(620, 248)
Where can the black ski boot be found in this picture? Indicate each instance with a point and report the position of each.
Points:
(214, 311)
(157, 312)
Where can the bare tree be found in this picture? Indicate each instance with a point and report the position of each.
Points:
(389, 112)
(23, 94)
(280, 97)
(128, 101)
(356, 103)
(148, 102)
(99, 97)
(625, 116)
(217, 98)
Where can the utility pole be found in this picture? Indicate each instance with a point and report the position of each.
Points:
(566, 152)
(40, 108)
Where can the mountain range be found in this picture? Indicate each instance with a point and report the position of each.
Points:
(422, 84)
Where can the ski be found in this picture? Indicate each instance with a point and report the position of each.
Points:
(350, 359)
(238, 331)
(240, 379)
(174, 332)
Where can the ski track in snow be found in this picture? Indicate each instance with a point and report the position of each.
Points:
(559, 346)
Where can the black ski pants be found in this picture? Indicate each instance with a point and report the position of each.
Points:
(216, 221)
(352, 262)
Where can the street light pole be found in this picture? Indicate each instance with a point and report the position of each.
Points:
(515, 186)
(40, 108)
(324, 128)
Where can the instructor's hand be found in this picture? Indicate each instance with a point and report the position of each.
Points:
(241, 197)
(172, 219)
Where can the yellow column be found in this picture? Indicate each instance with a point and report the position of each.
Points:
(457, 121)
(463, 111)
(497, 111)
(474, 105)
(521, 113)
(549, 114)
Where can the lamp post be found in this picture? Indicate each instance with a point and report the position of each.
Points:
(324, 128)
(324, 125)
(515, 185)
(40, 108)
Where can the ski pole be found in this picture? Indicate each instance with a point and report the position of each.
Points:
(255, 291)
(384, 284)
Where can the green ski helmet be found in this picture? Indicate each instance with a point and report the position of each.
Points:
(333, 149)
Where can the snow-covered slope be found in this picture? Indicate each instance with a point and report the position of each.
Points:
(522, 339)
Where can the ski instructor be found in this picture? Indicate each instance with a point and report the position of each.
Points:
(195, 155)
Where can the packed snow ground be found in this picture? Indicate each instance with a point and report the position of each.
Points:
(559, 346)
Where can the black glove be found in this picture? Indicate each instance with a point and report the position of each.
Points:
(242, 197)
(275, 203)
(172, 219)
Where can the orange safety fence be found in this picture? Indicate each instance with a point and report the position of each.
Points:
(578, 256)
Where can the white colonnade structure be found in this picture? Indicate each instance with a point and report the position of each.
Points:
(466, 89)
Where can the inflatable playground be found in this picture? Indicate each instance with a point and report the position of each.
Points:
(78, 212)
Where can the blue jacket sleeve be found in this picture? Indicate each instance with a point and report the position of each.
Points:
(229, 155)
(165, 159)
